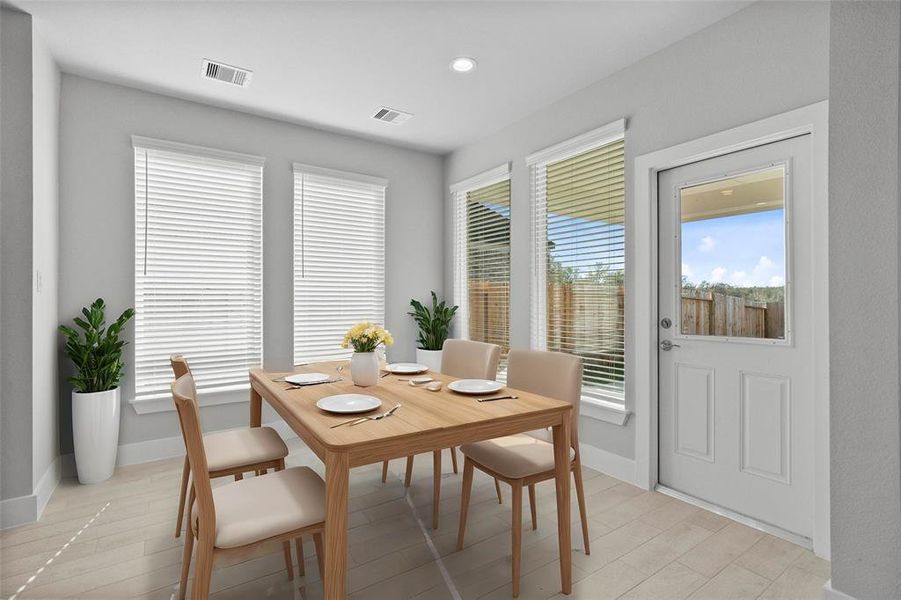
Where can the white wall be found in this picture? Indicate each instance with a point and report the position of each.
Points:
(45, 253)
(97, 217)
(766, 59)
(864, 299)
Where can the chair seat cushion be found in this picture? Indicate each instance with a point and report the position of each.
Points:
(250, 446)
(514, 456)
(258, 508)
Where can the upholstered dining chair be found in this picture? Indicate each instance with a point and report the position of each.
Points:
(526, 459)
(464, 359)
(233, 453)
(239, 516)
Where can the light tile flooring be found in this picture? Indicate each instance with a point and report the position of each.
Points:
(644, 545)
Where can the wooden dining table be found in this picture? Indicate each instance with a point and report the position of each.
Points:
(426, 421)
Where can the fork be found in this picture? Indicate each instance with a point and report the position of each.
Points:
(376, 417)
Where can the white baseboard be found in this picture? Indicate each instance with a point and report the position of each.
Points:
(608, 463)
(830, 593)
(28, 509)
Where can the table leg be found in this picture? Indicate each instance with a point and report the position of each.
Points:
(256, 408)
(337, 472)
(564, 527)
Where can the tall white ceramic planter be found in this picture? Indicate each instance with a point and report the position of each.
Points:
(429, 358)
(95, 427)
(364, 368)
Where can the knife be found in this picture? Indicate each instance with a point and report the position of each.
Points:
(498, 398)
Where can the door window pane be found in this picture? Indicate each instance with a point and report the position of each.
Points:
(733, 256)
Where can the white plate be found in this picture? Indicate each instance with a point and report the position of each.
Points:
(349, 403)
(306, 378)
(475, 386)
(406, 368)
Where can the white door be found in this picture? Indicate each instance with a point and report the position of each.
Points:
(735, 333)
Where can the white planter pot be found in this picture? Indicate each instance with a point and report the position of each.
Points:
(429, 358)
(95, 428)
(364, 368)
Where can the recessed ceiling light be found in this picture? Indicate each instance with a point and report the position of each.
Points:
(726, 192)
(761, 204)
(463, 64)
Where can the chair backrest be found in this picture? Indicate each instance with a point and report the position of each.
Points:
(184, 394)
(470, 360)
(179, 365)
(552, 374)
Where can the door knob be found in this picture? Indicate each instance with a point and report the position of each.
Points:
(667, 345)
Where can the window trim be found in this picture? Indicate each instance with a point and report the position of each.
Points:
(228, 394)
(458, 193)
(606, 407)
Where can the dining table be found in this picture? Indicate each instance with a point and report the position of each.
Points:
(426, 421)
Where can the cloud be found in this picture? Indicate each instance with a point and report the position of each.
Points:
(777, 280)
(707, 244)
(717, 274)
(687, 271)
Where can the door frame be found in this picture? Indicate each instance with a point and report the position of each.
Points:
(642, 294)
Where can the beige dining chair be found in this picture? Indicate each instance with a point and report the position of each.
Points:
(463, 359)
(240, 516)
(233, 453)
(526, 459)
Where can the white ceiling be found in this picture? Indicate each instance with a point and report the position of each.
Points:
(333, 64)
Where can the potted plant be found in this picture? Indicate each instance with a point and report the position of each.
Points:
(96, 352)
(433, 328)
(365, 338)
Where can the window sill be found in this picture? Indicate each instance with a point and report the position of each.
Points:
(165, 404)
(604, 410)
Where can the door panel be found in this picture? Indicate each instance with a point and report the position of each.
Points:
(736, 366)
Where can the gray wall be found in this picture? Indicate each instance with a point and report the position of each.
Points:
(764, 60)
(864, 299)
(15, 254)
(97, 217)
(45, 253)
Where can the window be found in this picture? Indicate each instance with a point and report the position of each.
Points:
(339, 258)
(198, 265)
(578, 232)
(482, 258)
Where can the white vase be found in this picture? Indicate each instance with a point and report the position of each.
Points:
(429, 358)
(95, 429)
(364, 368)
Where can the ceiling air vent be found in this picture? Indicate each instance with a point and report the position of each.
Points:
(391, 115)
(226, 73)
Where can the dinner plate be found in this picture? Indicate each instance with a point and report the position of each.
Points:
(406, 368)
(348, 403)
(475, 386)
(306, 378)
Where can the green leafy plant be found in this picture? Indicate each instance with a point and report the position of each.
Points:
(434, 324)
(96, 351)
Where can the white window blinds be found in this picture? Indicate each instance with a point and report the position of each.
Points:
(339, 258)
(578, 232)
(482, 257)
(198, 265)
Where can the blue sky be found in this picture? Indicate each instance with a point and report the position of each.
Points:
(742, 250)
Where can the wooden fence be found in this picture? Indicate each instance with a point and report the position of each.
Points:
(587, 316)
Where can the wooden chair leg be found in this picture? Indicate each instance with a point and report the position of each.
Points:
(320, 553)
(468, 468)
(190, 506)
(409, 475)
(239, 476)
(301, 567)
(436, 486)
(580, 495)
(517, 535)
(203, 572)
(384, 471)
(453, 450)
(186, 562)
(533, 506)
(289, 562)
(185, 475)
(497, 488)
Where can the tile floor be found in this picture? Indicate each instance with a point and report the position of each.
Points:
(644, 545)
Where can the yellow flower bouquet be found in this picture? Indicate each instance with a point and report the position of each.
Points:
(366, 337)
